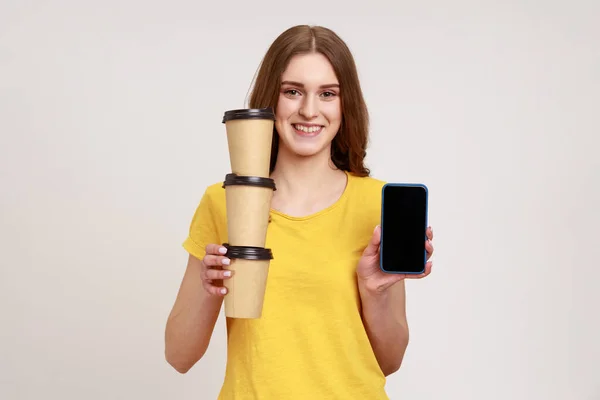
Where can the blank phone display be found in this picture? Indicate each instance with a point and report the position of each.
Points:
(404, 221)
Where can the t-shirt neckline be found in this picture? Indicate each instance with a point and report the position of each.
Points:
(327, 209)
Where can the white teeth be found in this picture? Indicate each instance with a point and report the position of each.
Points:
(307, 129)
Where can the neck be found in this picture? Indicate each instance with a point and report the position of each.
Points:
(299, 176)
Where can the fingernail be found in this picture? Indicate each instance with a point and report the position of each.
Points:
(223, 291)
(226, 261)
(227, 273)
(222, 250)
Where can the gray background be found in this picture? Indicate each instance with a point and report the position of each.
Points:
(110, 131)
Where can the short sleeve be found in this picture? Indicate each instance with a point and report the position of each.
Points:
(203, 228)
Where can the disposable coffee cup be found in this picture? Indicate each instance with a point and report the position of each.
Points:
(248, 203)
(249, 139)
(247, 287)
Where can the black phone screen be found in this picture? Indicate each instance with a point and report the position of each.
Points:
(403, 226)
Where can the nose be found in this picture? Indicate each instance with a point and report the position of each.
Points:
(309, 108)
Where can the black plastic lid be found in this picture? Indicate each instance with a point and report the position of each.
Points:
(234, 179)
(249, 113)
(248, 252)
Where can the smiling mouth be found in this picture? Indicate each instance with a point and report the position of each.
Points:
(307, 130)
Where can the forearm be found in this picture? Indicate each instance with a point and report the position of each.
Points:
(386, 326)
(188, 331)
(191, 323)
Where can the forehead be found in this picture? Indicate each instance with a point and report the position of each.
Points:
(310, 69)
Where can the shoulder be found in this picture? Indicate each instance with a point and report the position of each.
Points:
(212, 200)
(366, 187)
(216, 195)
(365, 193)
(208, 224)
(215, 192)
(363, 203)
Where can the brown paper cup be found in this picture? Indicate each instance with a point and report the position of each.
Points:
(247, 286)
(248, 202)
(249, 139)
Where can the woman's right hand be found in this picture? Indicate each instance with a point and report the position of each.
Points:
(212, 273)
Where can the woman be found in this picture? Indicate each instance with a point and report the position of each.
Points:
(333, 325)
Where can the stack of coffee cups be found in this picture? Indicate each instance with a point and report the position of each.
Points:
(248, 192)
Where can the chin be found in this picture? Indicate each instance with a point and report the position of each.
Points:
(306, 145)
(306, 151)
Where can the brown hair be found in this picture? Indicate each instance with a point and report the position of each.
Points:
(348, 149)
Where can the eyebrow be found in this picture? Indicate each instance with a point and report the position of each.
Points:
(329, 85)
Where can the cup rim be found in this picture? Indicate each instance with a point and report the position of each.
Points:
(249, 113)
(248, 252)
(233, 179)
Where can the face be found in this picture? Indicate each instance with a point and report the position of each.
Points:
(308, 113)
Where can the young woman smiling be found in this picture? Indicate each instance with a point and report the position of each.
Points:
(333, 324)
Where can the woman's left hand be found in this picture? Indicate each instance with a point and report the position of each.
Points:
(369, 272)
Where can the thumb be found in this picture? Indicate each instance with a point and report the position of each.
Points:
(373, 246)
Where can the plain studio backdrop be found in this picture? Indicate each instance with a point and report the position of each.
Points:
(110, 123)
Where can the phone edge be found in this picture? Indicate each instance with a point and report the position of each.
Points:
(422, 185)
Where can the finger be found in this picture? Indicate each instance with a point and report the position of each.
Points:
(211, 274)
(214, 290)
(215, 249)
(373, 246)
(424, 274)
(215, 261)
(429, 233)
(429, 249)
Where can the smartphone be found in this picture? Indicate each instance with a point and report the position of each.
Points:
(403, 228)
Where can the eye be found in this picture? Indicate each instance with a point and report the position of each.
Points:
(291, 92)
(328, 94)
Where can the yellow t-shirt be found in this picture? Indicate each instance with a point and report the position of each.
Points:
(310, 342)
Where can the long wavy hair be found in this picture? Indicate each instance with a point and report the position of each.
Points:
(348, 149)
